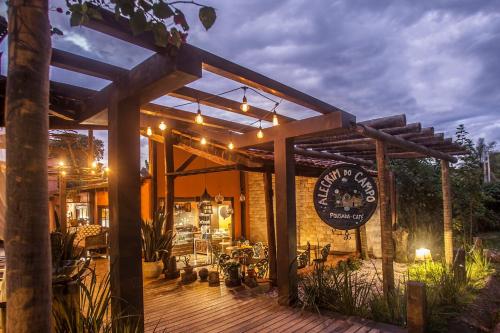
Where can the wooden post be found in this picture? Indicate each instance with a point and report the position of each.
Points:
(243, 205)
(90, 161)
(362, 242)
(286, 224)
(385, 219)
(393, 200)
(447, 213)
(125, 208)
(459, 265)
(416, 307)
(153, 163)
(271, 234)
(62, 203)
(169, 190)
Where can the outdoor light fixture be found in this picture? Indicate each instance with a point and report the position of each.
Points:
(94, 164)
(230, 145)
(92, 172)
(244, 103)
(422, 254)
(199, 118)
(162, 126)
(206, 205)
(149, 131)
(106, 169)
(203, 141)
(63, 173)
(275, 119)
(61, 163)
(260, 134)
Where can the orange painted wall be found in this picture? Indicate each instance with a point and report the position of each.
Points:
(227, 183)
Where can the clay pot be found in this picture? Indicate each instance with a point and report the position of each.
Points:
(151, 270)
(187, 277)
(203, 274)
(251, 273)
(213, 279)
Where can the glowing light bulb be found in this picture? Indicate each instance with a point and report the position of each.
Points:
(94, 164)
(162, 126)
(106, 169)
(61, 163)
(244, 105)
(92, 172)
(203, 141)
(63, 173)
(260, 134)
(230, 145)
(199, 118)
(149, 131)
(275, 119)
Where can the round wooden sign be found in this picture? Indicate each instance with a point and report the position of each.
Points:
(345, 197)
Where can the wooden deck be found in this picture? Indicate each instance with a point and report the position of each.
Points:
(172, 307)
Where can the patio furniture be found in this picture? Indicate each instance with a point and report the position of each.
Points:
(92, 238)
(258, 248)
(261, 268)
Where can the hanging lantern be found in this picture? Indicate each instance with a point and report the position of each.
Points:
(219, 198)
(242, 197)
(205, 203)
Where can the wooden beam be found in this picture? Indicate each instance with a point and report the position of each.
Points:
(393, 140)
(447, 213)
(186, 163)
(79, 64)
(154, 77)
(271, 234)
(385, 220)
(230, 70)
(153, 162)
(219, 102)
(221, 168)
(186, 116)
(62, 204)
(335, 157)
(329, 123)
(125, 208)
(286, 223)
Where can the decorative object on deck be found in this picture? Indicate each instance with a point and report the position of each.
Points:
(233, 274)
(422, 254)
(213, 279)
(250, 279)
(170, 267)
(203, 274)
(189, 275)
(322, 257)
(345, 196)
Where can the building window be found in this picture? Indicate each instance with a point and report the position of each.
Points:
(103, 212)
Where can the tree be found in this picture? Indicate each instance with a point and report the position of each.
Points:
(26, 119)
(74, 148)
(27, 244)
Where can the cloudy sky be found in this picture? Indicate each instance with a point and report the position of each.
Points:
(436, 61)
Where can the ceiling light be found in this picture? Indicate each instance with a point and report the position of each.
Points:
(230, 145)
(149, 131)
(260, 134)
(244, 103)
(203, 141)
(162, 126)
(199, 118)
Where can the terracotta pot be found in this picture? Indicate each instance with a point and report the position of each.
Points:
(203, 274)
(151, 270)
(251, 273)
(213, 279)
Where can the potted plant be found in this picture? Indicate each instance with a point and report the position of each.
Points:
(233, 274)
(154, 243)
(189, 275)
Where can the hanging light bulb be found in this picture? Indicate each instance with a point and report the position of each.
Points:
(92, 172)
(230, 145)
(162, 126)
(203, 141)
(260, 134)
(275, 119)
(106, 169)
(94, 164)
(61, 163)
(63, 173)
(149, 131)
(199, 118)
(244, 103)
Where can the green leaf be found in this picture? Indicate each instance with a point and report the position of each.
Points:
(176, 37)
(145, 5)
(138, 22)
(162, 11)
(160, 34)
(56, 31)
(207, 16)
(76, 19)
(94, 13)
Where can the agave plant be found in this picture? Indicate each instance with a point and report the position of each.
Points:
(155, 241)
(67, 262)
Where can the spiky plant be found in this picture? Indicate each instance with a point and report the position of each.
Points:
(155, 241)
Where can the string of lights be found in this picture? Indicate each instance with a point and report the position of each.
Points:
(244, 107)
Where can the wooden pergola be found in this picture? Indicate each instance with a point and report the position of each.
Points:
(294, 147)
